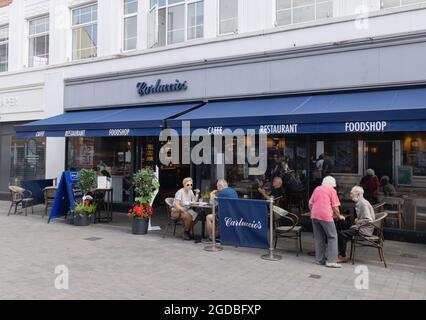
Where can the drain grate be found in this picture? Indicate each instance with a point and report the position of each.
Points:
(411, 256)
(93, 239)
(315, 276)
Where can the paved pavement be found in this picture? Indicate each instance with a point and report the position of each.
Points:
(119, 265)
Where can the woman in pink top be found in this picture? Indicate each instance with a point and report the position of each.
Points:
(323, 203)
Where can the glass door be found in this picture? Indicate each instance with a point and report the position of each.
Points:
(379, 157)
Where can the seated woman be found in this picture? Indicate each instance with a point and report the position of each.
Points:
(182, 209)
(387, 187)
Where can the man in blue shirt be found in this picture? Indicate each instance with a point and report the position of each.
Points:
(222, 191)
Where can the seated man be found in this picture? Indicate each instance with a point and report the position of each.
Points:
(222, 191)
(182, 209)
(365, 214)
(277, 191)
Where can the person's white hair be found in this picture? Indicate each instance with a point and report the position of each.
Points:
(358, 189)
(223, 183)
(329, 181)
(370, 172)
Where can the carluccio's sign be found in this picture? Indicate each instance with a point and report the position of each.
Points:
(145, 89)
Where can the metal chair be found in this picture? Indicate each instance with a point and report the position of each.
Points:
(20, 196)
(292, 231)
(419, 212)
(170, 221)
(49, 194)
(394, 206)
(374, 241)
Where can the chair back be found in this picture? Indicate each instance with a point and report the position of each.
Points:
(393, 201)
(378, 207)
(281, 214)
(380, 219)
(50, 193)
(16, 193)
(169, 203)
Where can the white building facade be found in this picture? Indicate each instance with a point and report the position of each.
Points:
(75, 55)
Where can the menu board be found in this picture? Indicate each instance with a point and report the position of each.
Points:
(405, 175)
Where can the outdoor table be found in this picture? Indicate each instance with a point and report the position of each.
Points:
(107, 205)
(202, 206)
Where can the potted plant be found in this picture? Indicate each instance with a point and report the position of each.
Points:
(85, 209)
(145, 182)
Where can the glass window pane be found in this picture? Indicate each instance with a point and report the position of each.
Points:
(162, 27)
(84, 15)
(28, 159)
(325, 10)
(342, 156)
(4, 57)
(284, 17)
(195, 20)
(390, 3)
(84, 42)
(298, 3)
(303, 14)
(130, 6)
(176, 24)
(283, 4)
(130, 33)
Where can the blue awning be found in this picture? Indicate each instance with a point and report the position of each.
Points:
(136, 121)
(372, 111)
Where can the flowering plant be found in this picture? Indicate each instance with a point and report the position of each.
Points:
(85, 207)
(140, 211)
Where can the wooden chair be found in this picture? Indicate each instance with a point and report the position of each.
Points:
(379, 207)
(20, 196)
(374, 241)
(49, 194)
(419, 212)
(291, 231)
(394, 206)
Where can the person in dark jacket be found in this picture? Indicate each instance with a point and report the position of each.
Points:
(370, 183)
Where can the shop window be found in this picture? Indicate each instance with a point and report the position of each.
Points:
(130, 24)
(414, 153)
(108, 156)
(298, 11)
(4, 48)
(27, 159)
(386, 4)
(341, 156)
(38, 41)
(175, 21)
(228, 16)
(84, 32)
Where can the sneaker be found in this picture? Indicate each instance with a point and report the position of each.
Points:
(186, 236)
(321, 263)
(333, 265)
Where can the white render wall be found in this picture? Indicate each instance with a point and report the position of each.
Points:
(39, 92)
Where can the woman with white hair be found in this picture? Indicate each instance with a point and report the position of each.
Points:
(323, 204)
(365, 215)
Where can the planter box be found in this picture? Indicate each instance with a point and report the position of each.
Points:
(140, 226)
(82, 221)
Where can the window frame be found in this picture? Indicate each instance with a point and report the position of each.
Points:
(125, 17)
(292, 7)
(236, 31)
(154, 6)
(6, 43)
(36, 35)
(401, 5)
(82, 25)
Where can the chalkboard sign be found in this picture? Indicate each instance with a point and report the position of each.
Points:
(68, 194)
(405, 175)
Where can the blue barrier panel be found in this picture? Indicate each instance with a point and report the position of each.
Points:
(36, 187)
(243, 223)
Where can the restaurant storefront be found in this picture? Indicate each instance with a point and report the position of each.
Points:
(113, 122)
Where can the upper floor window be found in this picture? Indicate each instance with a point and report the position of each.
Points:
(130, 24)
(4, 48)
(38, 42)
(385, 4)
(228, 16)
(84, 32)
(298, 11)
(174, 21)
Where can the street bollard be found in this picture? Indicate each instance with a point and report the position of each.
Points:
(271, 256)
(213, 247)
